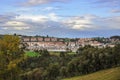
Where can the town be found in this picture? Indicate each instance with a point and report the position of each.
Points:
(64, 44)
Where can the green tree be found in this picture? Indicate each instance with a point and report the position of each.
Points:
(10, 56)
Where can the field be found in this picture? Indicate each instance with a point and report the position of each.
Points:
(31, 54)
(109, 74)
(34, 54)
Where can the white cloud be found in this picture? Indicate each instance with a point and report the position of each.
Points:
(50, 8)
(52, 22)
(112, 22)
(33, 18)
(21, 28)
(31, 22)
(17, 25)
(80, 23)
(53, 17)
(91, 22)
(38, 18)
(115, 11)
(38, 2)
(4, 28)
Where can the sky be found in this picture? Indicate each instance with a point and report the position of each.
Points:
(60, 18)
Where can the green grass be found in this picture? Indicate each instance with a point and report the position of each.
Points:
(31, 54)
(109, 74)
(34, 54)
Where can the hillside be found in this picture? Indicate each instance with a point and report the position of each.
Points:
(109, 74)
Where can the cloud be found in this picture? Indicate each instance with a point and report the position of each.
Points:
(108, 3)
(53, 17)
(38, 18)
(39, 2)
(7, 17)
(113, 22)
(53, 24)
(17, 25)
(50, 8)
(92, 23)
(8, 21)
(115, 11)
(21, 28)
(80, 22)
(33, 18)
(29, 22)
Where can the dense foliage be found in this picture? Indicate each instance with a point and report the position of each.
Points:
(10, 56)
(16, 66)
(86, 60)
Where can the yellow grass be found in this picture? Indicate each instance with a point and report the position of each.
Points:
(109, 74)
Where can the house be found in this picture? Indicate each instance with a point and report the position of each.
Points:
(59, 44)
(40, 39)
(33, 39)
(47, 39)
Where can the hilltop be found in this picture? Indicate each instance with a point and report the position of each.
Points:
(109, 74)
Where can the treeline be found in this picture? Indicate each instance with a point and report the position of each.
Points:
(87, 59)
(115, 37)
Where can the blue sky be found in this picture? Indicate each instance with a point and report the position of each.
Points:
(61, 18)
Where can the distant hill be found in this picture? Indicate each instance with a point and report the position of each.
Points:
(115, 37)
(109, 74)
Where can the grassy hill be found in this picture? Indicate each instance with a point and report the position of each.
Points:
(109, 74)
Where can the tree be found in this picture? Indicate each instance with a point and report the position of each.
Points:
(63, 54)
(116, 55)
(63, 72)
(44, 53)
(52, 72)
(10, 56)
(10, 46)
